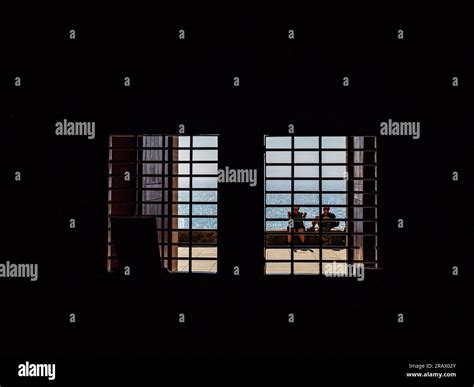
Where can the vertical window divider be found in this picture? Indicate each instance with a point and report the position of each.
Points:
(292, 229)
(265, 235)
(376, 193)
(137, 175)
(320, 190)
(191, 158)
(350, 187)
(169, 191)
(163, 166)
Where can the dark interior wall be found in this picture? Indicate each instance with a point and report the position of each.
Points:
(191, 82)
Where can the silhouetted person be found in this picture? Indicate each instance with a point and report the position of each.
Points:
(327, 223)
(298, 225)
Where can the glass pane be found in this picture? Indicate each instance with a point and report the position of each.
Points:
(334, 185)
(279, 199)
(183, 141)
(306, 142)
(277, 253)
(204, 209)
(334, 157)
(204, 266)
(276, 225)
(183, 266)
(336, 255)
(151, 141)
(183, 168)
(277, 268)
(334, 171)
(183, 182)
(205, 141)
(183, 239)
(278, 171)
(204, 182)
(183, 196)
(204, 196)
(366, 171)
(278, 185)
(204, 169)
(203, 252)
(183, 209)
(312, 199)
(203, 155)
(306, 267)
(151, 182)
(306, 185)
(183, 223)
(204, 223)
(147, 209)
(340, 212)
(358, 156)
(334, 142)
(359, 142)
(329, 199)
(278, 157)
(183, 155)
(277, 212)
(306, 157)
(277, 142)
(306, 171)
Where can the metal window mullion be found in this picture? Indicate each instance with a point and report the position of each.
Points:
(109, 206)
(190, 252)
(137, 174)
(265, 203)
(292, 229)
(162, 215)
(376, 205)
(169, 204)
(320, 228)
(217, 208)
(350, 198)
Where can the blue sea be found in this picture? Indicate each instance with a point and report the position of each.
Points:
(306, 150)
(308, 203)
(198, 209)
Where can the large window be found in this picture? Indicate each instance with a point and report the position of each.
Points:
(174, 180)
(320, 204)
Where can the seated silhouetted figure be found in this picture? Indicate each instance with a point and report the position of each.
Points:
(326, 221)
